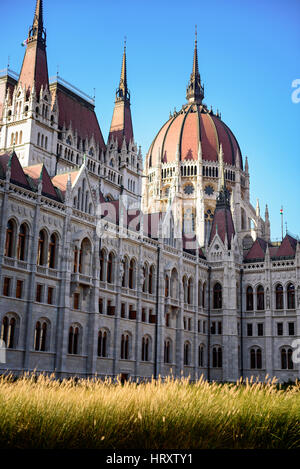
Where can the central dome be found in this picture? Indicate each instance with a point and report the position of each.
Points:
(184, 130)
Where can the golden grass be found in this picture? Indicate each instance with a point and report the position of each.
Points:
(41, 412)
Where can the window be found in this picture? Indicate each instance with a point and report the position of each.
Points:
(40, 336)
(19, 288)
(145, 349)
(76, 298)
(186, 353)
(39, 293)
(52, 251)
(290, 296)
(123, 310)
(279, 296)
(167, 351)
(110, 262)
(279, 328)
(249, 299)
(102, 344)
(50, 295)
(260, 298)
(6, 286)
(199, 325)
(166, 286)
(219, 327)
(73, 340)
(286, 359)
(204, 327)
(190, 292)
(217, 296)
(255, 359)
(200, 355)
(249, 330)
(125, 346)
(217, 357)
(213, 327)
(41, 248)
(9, 241)
(167, 319)
(151, 275)
(131, 279)
(100, 305)
(8, 327)
(21, 242)
(260, 329)
(291, 326)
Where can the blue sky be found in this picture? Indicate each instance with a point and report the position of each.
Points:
(248, 53)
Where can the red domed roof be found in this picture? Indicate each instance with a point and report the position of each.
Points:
(185, 129)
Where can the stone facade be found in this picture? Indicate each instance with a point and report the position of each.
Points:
(91, 286)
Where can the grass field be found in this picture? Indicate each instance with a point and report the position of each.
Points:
(40, 412)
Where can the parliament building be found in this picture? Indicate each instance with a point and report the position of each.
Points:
(112, 264)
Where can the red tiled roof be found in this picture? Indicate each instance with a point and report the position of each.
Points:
(17, 175)
(191, 124)
(60, 180)
(73, 109)
(223, 223)
(287, 247)
(121, 124)
(39, 171)
(257, 250)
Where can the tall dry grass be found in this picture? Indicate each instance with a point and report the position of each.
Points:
(41, 412)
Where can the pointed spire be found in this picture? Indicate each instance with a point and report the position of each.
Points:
(34, 67)
(267, 213)
(121, 123)
(122, 92)
(257, 208)
(246, 165)
(195, 91)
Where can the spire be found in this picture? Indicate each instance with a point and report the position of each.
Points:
(223, 199)
(121, 123)
(34, 68)
(195, 91)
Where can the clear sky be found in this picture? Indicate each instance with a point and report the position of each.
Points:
(248, 52)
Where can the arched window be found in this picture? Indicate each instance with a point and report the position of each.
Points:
(16, 139)
(102, 264)
(186, 353)
(255, 359)
(184, 286)
(166, 286)
(125, 272)
(174, 284)
(279, 296)
(21, 251)
(10, 238)
(102, 344)
(20, 138)
(286, 359)
(201, 355)
(125, 346)
(41, 258)
(167, 351)
(260, 296)
(73, 340)
(131, 277)
(249, 298)
(290, 291)
(8, 328)
(217, 357)
(203, 295)
(110, 265)
(199, 293)
(75, 259)
(145, 349)
(190, 291)
(85, 257)
(150, 280)
(40, 336)
(52, 251)
(217, 296)
(145, 275)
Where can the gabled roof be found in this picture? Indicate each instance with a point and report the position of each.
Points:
(61, 180)
(286, 249)
(223, 225)
(37, 173)
(17, 175)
